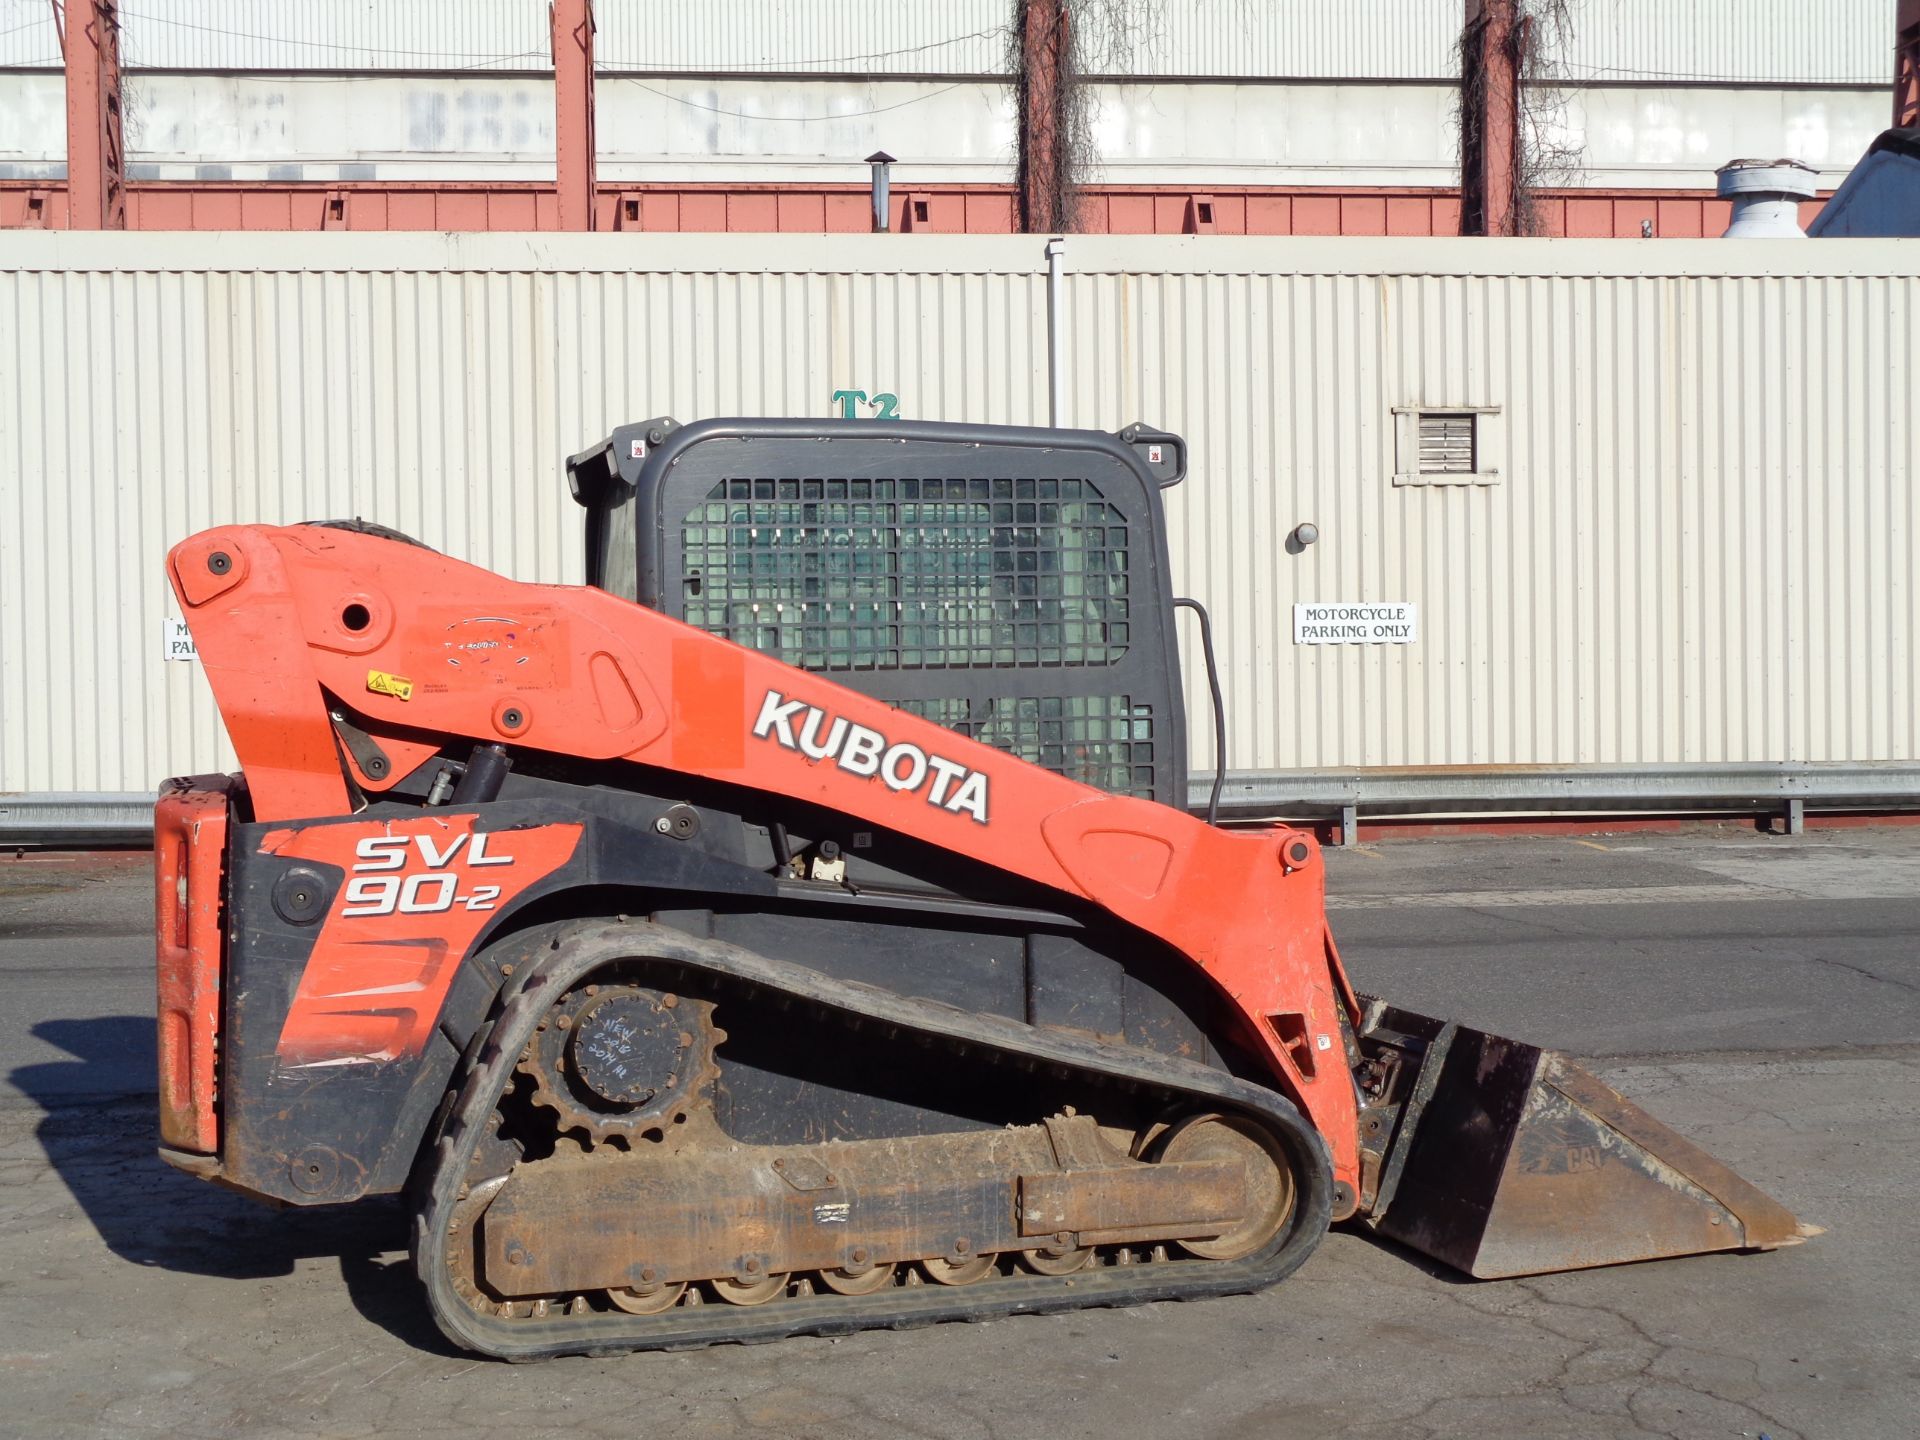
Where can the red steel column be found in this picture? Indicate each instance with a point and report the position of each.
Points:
(96, 177)
(1906, 65)
(573, 111)
(1490, 115)
(1043, 43)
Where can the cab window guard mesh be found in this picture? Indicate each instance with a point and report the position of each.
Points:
(911, 573)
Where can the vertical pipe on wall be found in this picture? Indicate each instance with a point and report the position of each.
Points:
(1056, 330)
(96, 177)
(573, 168)
(881, 162)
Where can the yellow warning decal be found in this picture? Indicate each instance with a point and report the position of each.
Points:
(381, 683)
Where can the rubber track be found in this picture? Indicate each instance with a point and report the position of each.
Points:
(577, 949)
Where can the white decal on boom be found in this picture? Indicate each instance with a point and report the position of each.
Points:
(858, 750)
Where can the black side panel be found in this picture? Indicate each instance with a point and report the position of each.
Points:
(973, 969)
(1074, 987)
(1009, 583)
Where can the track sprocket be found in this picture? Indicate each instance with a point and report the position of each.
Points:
(618, 1063)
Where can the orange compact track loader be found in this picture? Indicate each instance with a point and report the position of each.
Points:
(801, 928)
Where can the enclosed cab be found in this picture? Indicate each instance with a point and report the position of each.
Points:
(1008, 583)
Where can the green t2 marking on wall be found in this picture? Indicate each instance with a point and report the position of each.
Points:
(886, 406)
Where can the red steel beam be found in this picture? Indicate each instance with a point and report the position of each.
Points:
(1041, 177)
(1490, 119)
(573, 166)
(96, 176)
(1906, 65)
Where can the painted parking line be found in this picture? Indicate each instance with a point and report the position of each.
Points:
(1612, 895)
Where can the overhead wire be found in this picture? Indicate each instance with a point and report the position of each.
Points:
(1577, 71)
(475, 60)
(478, 60)
(790, 65)
(791, 119)
(482, 59)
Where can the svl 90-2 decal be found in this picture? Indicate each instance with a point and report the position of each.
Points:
(374, 890)
(372, 993)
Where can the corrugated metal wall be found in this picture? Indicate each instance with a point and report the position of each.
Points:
(1807, 42)
(1377, 39)
(1354, 39)
(1702, 545)
(1829, 42)
(859, 37)
(335, 35)
(28, 34)
(1387, 39)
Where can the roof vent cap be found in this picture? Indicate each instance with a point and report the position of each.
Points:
(1766, 196)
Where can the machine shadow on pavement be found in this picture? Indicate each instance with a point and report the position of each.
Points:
(101, 1144)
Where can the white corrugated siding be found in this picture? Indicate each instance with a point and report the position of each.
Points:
(1703, 546)
(886, 37)
(1376, 39)
(1804, 42)
(28, 35)
(335, 35)
(1353, 39)
(1796, 41)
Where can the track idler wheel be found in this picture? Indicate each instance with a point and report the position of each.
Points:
(1270, 1187)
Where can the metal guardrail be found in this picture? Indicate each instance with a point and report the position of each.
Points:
(76, 817)
(1789, 789)
(116, 818)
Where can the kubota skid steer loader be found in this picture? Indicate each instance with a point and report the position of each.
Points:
(787, 934)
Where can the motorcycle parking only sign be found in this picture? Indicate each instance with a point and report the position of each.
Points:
(176, 641)
(1395, 622)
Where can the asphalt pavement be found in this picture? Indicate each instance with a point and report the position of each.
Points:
(1760, 994)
